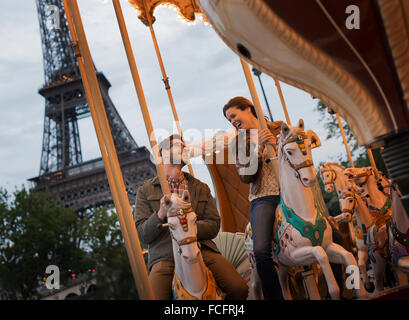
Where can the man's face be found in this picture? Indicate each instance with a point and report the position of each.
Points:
(173, 155)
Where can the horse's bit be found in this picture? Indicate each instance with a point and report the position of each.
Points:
(181, 214)
(361, 175)
(299, 139)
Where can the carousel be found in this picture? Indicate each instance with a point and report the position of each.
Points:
(359, 69)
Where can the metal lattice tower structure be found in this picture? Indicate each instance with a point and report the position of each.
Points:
(65, 104)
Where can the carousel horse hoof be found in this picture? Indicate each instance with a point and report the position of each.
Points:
(369, 287)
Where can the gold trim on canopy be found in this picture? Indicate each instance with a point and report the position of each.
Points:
(186, 9)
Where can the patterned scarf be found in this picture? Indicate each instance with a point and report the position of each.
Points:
(178, 185)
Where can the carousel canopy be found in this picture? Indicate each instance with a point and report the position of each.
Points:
(355, 60)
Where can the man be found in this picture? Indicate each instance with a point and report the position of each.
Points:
(150, 213)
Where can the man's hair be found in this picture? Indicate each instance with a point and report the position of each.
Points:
(167, 142)
(240, 103)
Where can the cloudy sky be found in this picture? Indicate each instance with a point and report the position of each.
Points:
(204, 74)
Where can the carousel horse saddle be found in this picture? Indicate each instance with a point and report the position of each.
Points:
(282, 227)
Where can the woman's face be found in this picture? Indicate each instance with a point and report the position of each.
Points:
(240, 119)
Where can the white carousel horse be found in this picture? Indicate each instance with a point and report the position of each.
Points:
(256, 291)
(192, 280)
(352, 203)
(303, 235)
(333, 174)
(382, 209)
(379, 205)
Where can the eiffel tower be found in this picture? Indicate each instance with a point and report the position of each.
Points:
(80, 185)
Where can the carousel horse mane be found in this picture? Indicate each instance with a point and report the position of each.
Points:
(334, 164)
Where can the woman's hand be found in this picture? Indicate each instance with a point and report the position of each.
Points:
(266, 137)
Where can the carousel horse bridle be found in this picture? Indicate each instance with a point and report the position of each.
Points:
(181, 215)
(299, 139)
(360, 232)
(332, 171)
(349, 195)
(366, 174)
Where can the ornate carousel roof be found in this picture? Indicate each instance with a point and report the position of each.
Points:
(360, 73)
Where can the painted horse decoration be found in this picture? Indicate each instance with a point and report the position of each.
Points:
(390, 234)
(302, 234)
(351, 203)
(192, 279)
(351, 207)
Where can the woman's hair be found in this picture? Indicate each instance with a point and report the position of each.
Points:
(240, 103)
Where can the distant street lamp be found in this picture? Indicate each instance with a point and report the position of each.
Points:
(257, 73)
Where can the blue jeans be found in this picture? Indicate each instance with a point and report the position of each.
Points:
(262, 215)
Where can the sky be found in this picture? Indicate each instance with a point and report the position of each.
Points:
(203, 72)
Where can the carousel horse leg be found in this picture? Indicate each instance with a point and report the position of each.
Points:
(403, 264)
(283, 277)
(362, 258)
(338, 254)
(337, 268)
(303, 254)
(379, 271)
(401, 277)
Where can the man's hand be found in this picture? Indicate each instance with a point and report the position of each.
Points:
(162, 212)
(266, 137)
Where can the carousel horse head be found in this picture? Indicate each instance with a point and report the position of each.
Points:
(294, 146)
(328, 176)
(358, 175)
(348, 202)
(182, 225)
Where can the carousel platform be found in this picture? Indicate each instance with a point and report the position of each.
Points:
(397, 293)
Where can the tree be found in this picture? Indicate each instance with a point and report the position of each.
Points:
(359, 154)
(37, 231)
(107, 249)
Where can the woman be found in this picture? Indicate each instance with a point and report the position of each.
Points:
(264, 195)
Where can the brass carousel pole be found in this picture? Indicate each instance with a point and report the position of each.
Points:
(345, 141)
(308, 273)
(165, 78)
(260, 116)
(99, 134)
(373, 164)
(141, 98)
(108, 151)
(341, 128)
(280, 93)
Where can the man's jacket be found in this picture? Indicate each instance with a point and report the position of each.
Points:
(158, 239)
